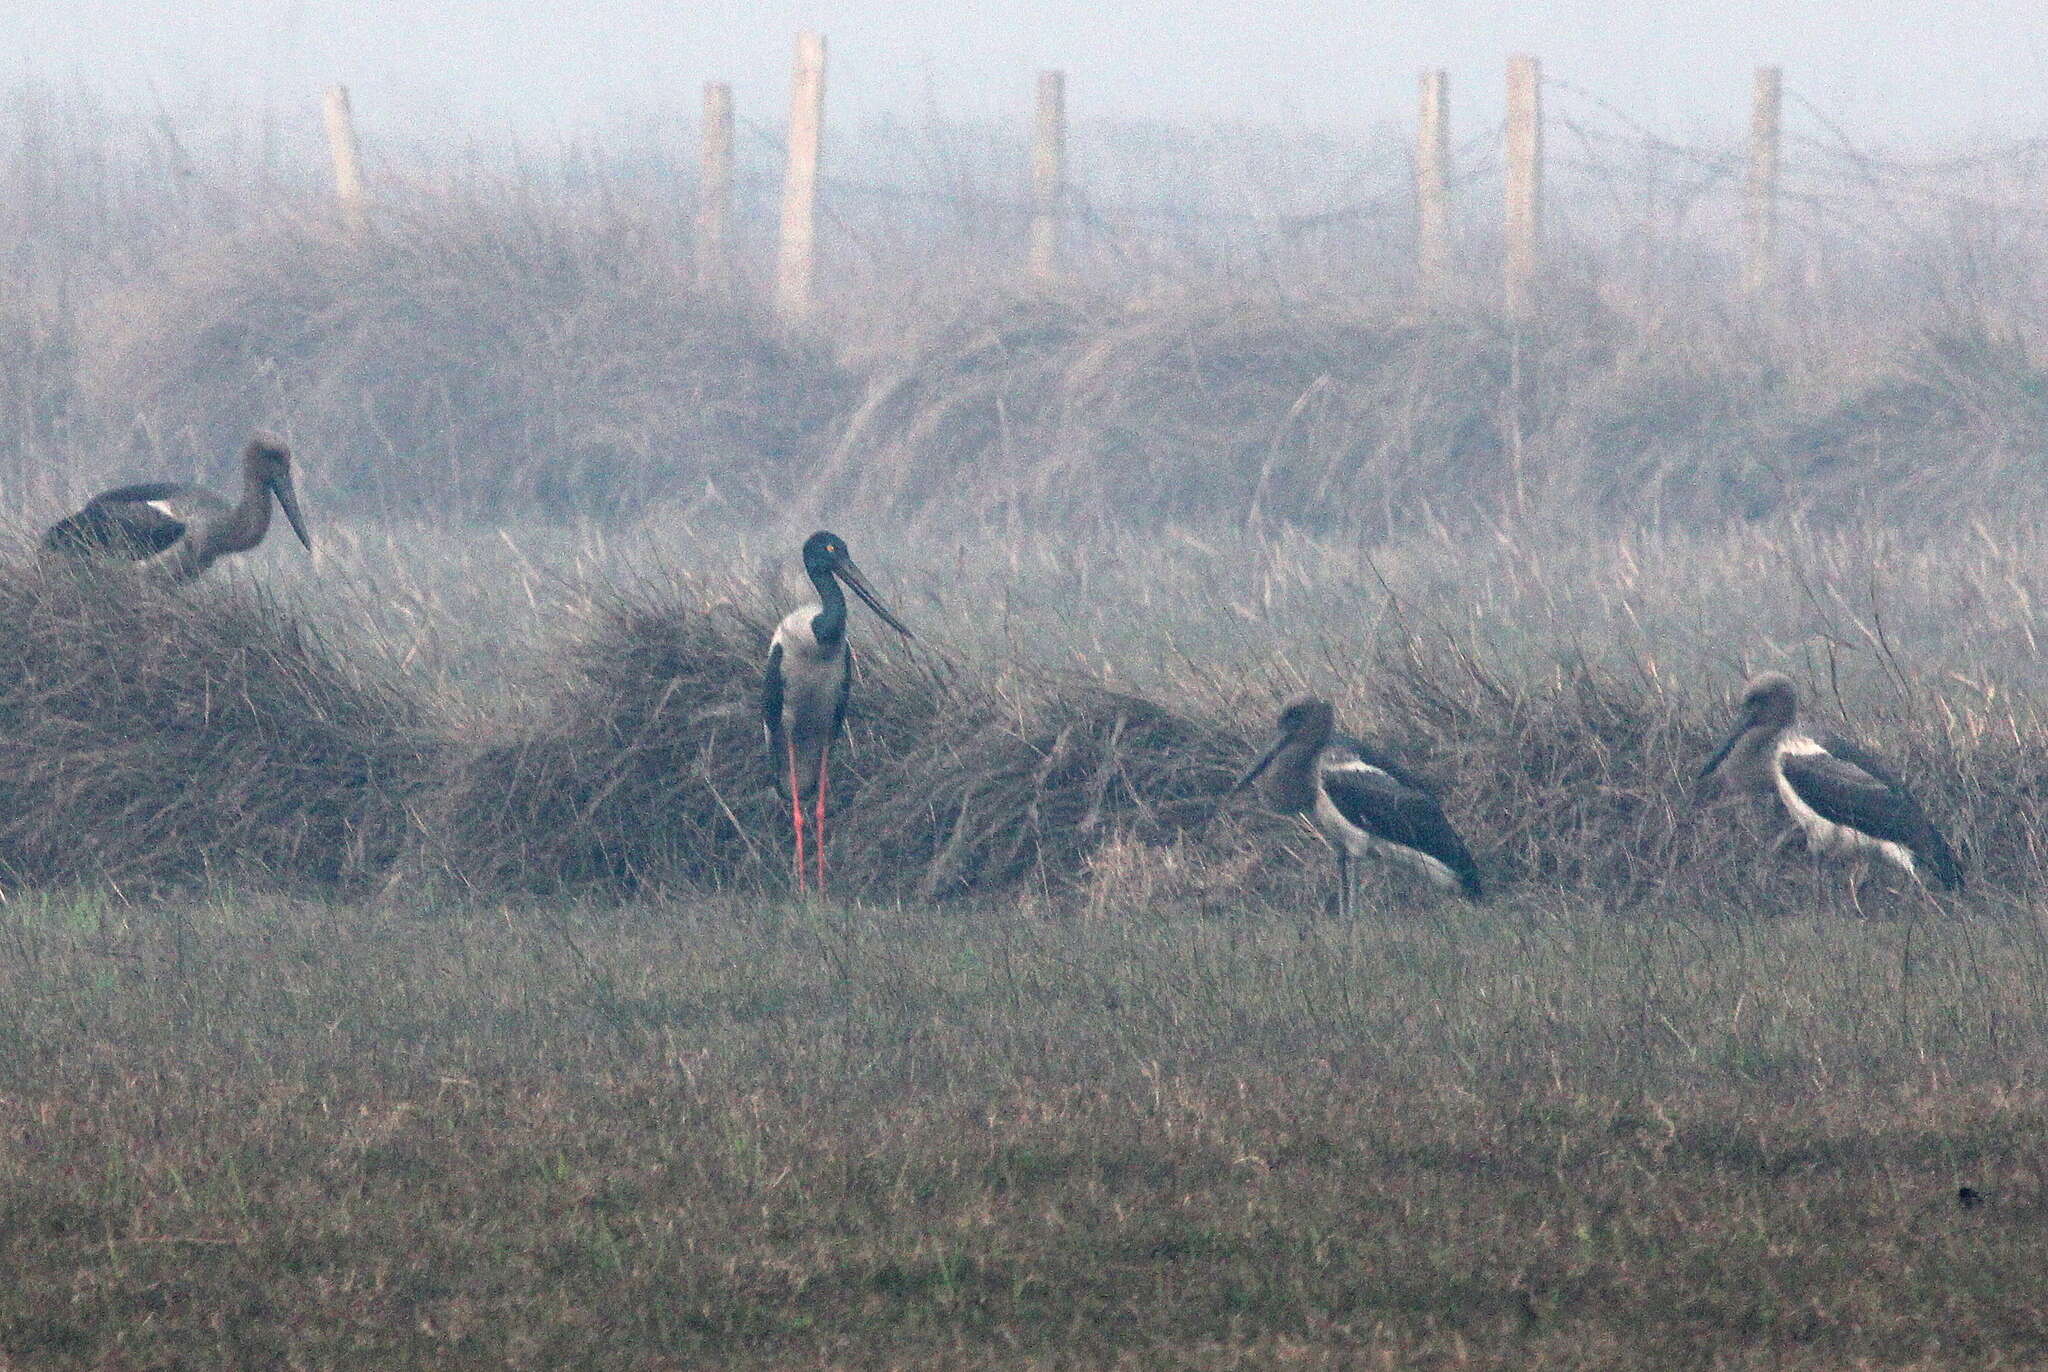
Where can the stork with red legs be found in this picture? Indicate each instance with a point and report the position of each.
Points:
(803, 697)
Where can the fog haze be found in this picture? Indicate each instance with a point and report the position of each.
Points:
(1919, 70)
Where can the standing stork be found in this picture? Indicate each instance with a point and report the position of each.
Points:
(180, 530)
(1840, 798)
(1362, 801)
(803, 697)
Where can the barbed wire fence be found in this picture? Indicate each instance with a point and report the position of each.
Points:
(1620, 200)
(1131, 203)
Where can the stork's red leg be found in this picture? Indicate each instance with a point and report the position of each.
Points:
(796, 816)
(818, 833)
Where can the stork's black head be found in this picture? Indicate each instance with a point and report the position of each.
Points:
(1307, 715)
(1306, 723)
(1770, 704)
(267, 455)
(824, 553)
(825, 556)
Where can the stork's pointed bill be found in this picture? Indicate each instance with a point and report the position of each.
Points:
(850, 574)
(1258, 769)
(288, 501)
(1307, 721)
(1769, 703)
(1742, 726)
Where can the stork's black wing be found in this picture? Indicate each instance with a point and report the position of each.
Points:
(771, 717)
(845, 694)
(123, 522)
(1847, 786)
(1374, 793)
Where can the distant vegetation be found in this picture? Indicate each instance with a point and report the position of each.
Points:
(525, 339)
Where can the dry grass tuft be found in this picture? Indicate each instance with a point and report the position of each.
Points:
(1580, 775)
(479, 357)
(1190, 877)
(1021, 779)
(1182, 407)
(151, 739)
(644, 768)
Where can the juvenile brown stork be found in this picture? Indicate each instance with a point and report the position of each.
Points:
(803, 696)
(1362, 801)
(179, 530)
(1843, 801)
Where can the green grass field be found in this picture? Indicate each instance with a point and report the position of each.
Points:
(741, 1133)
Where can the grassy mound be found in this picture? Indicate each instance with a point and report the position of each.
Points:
(1576, 778)
(1021, 781)
(499, 357)
(1183, 408)
(484, 359)
(1343, 415)
(644, 769)
(152, 740)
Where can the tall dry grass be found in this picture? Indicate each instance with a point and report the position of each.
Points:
(1447, 521)
(153, 741)
(471, 367)
(1063, 731)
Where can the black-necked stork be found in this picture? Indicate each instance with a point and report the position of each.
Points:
(803, 697)
(1362, 801)
(1840, 798)
(180, 530)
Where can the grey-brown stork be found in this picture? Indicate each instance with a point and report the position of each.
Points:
(804, 695)
(1363, 802)
(1842, 800)
(179, 530)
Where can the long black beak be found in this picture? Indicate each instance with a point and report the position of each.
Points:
(1727, 746)
(850, 574)
(1257, 768)
(289, 499)
(1704, 789)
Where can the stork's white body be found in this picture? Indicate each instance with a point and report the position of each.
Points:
(1824, 837)
(815, 681)
(212, 530)
(1340, 831)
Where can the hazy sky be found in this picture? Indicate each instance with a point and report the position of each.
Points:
(1962, 68)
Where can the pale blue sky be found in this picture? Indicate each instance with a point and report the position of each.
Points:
(1960, 69)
